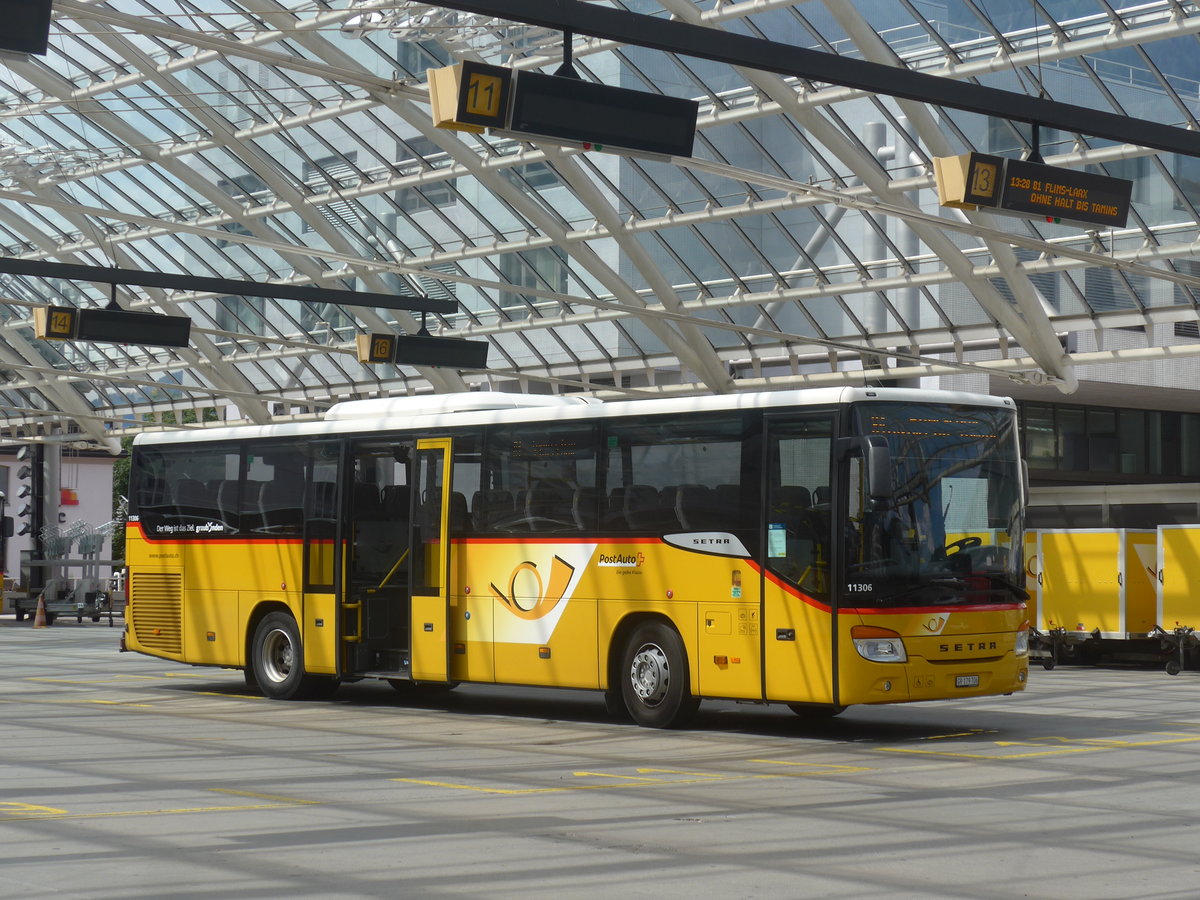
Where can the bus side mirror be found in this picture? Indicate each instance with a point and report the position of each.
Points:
(1025, 482)
(879, 469)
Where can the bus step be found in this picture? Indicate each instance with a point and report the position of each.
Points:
(400, 675)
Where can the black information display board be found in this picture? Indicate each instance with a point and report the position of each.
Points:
(1065, 193)
(25, 26)
(1017, 186)
(574, 110)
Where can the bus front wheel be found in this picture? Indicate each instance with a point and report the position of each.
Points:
(654, 677)
(277, 659)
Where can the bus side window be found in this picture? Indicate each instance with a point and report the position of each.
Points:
(177, 490)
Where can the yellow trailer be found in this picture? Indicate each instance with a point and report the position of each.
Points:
(1094, 585)
(1177, 613)
(1033, 580)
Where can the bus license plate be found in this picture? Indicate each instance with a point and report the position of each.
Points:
(966, 681)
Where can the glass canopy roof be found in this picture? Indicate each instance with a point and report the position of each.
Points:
(802, 244)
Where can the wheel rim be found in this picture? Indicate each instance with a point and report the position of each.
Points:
(650, 674)
(278, 655)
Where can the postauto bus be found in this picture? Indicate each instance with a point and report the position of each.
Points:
(817, 548)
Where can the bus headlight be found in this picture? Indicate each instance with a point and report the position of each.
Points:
(878, 644)
(1022, 646)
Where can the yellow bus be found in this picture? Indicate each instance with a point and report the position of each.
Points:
(817, 548)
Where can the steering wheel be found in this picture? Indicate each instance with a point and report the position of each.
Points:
(959, 545)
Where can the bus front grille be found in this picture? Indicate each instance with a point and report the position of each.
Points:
(156, 602)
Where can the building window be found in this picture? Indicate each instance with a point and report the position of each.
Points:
(544, 269)
(418, 154)
(329, 176)
(1101, 445)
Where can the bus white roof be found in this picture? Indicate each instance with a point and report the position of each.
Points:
(443, 410)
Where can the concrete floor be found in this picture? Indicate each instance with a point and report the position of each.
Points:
(123, 776)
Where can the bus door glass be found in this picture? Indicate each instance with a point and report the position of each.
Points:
(322, 565)
(429, 550)
(797, 559)
(375, 608)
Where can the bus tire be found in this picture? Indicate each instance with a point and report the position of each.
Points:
(277, 658)
(655, 684)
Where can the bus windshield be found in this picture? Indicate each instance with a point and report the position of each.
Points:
(949, 530)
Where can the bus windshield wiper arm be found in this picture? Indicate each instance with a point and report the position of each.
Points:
(1009, 585)
(954, 585)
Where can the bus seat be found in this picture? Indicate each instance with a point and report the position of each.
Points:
(544, 503)
(152, 492)
(584, 508)
(279, 507)
(191, 498)
(822, 495)
(225, 493)
(460, 518)
(644, 508)
(613, 514)
(396, 498)
(491, 506)
(728, 496)
(790, 500)
(697, 508)
(367, 500)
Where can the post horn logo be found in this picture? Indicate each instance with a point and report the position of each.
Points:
(535, 604)
(935, 624)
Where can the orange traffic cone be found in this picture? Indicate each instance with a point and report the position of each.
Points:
(39, 619)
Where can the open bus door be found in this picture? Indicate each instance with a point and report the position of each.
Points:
(429, 550)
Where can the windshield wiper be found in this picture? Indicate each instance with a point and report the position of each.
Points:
(955, 586)
(1003, 581)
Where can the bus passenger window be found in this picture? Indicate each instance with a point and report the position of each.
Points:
(182, 491)
(539, 479)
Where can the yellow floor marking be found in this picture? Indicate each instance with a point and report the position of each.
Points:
(160, 812)
(272, 797)
(15, 810)
(1064, 746)
(1113, 743)
(12, 808)
(119, 703)
(826, 768)
(632, 781)
(608, 786)
(993, 756)
(73, 701)
(84, 681)
(975, 732)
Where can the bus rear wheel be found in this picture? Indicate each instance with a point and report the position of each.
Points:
(277, 659)
(655, 684)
